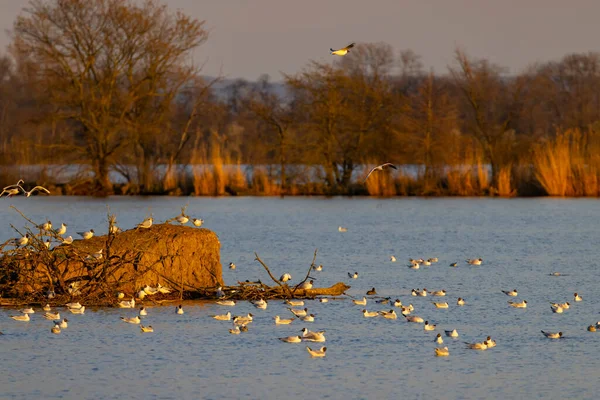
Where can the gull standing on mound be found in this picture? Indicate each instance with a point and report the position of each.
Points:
(343, 51)
(147, 223)
(380, 168)
(86, 235)
(197, 222)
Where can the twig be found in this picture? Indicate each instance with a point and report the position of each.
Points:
(285, 288)
(312, 264)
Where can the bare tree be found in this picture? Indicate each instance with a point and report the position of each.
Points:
(111, 66)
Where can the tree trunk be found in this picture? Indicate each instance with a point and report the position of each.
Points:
(103, 186)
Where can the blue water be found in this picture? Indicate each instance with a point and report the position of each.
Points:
(193, 356)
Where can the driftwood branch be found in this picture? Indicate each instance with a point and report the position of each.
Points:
(284, 287)
(312, 265)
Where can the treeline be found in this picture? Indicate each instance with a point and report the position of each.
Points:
(107, 85)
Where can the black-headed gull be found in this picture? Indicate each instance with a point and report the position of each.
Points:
(380, 168)
(343, 51)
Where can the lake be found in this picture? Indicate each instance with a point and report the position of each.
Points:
(521, 241)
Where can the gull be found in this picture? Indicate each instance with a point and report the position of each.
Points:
(143, 311)
(422, 293)
(149, 290)
(453, 333)
(226, 302)
(440, 293)
(397, 303)
(388, 314)
(239, 319)
(235, 330)
(362, 302)
(370, 314)
(113, 229)
(295, 303)
(46, 226)
(477, 346)
(146, 329)
(556, 309)
(427, 263)
(279, 321)
(28, 310)
(87, 234)
(35, 189)
(429, 327)
(380, 168)
(11, 192)
(489, 342)
(454, 264)
(46, 307)
(313, 336)
(405, 310)
(392, 258)
(23, 318)
(318, 268)
(317, 353)
(259, 305)
(62, 230)
(522, 304)
(243, 328)
(142, 294)
(372, 292)
(77, 310)
(47, 243)
(413, 318)
(565, 305)
(433, 259)
(285, 277)
(222, 317)
(553, 335)
(197, 222)
(306, 285)
(591, 328)
(182, 219)
(260, 302)
(52, 316)
(163, 289)
(120, 295)
(460, 302)
(127, 304)
(64, 324)
(342, 229)
(94, 256)
(220, 293)
(231, 265)
(147, 223)
(577, 297)
(442, 352)
(134, 320)
(324, 300)
(22, 241)
(299, 313)
(179, 309)
(353, 276)
(475, 261)
(68, 240)
(383, 301)
(440, 305)
(512, 293)
(73, 305)
(55, 329)
(308, 318)
(17, 185)
(291, 339)
(343, 51)
(438, 338)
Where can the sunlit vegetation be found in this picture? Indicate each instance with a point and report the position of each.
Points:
(107, 89)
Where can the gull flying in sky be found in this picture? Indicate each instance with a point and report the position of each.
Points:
(380, 168)
(343, 51)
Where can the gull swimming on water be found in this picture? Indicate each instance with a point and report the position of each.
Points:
(460, 302)
(439, 293)
(453, 333)
(308, 318)
(28, 310)
(370, 314)
(134, 320)
(179, 309)
(291, 339)
(46, 307)
(127, 304)
(235, 330)
(279, 321)
(477, 346)
(553, 335)
(343, 51)
(313, 336)
(226, 302)
(63, 324)
(442, 351)
(440, 305)
(388, 314)
(318, 268)
(222, 317)
(512, 293)
(475, 261)
(86, 235)
(52, 316)
(522, 304)
(353, 276)
(373, 292)
(299, 313)
(362, 302)
(556, 309)
(438, 338)
(77, 310)
(143, 311)
(414, 318)
(23, 318)
(317, 353)
(380, 168)
(342, 229)
(392, 258)
(429, 327)
(231, 265)
(146, 329)
(577, 297)
(55, 329)
(295, 303)
(454, 264)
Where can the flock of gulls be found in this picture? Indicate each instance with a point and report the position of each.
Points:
(241, 323)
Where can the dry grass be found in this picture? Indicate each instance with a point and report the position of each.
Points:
(505, 187)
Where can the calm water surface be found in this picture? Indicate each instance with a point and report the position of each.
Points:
(193, 356)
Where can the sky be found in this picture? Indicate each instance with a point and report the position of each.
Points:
(249, 38)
